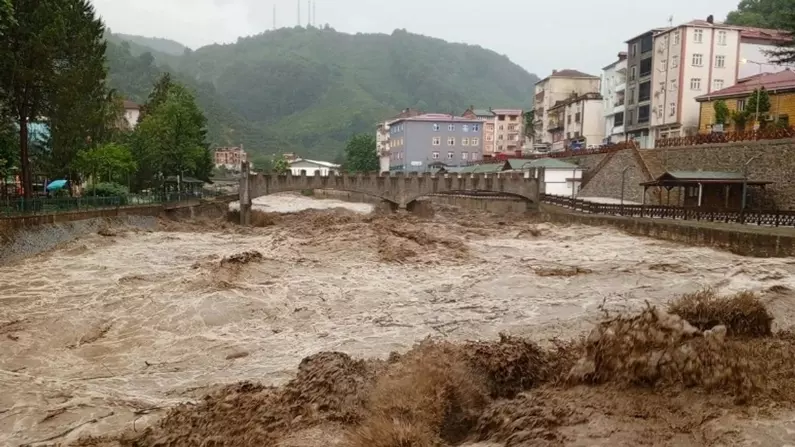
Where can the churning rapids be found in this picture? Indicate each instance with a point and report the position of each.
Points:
(108, 332)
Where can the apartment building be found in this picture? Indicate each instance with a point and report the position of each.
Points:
(488, 126)
(383, 133)
(558, 86)
(691, 60)
(508, 130)
(420, 143)
(637, 113)
(578, 121)
(614, 86)
(230, 157)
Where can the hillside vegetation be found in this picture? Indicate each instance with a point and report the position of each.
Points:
(309, 89)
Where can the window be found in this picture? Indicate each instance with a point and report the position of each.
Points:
(740, 105)
(500, 137)
(720, 61)
(464, 155)
(451, 127)
(698, 36)
(568, 119)
(450, 155)
(644, 91)
(698, 60)
(673, 85)
(577, 117)
(465, 127)
(630, 117)
(436, 127)
(568, 135)
(618, 119)
(475, 127)
(643, 114)
(576, 135)
(632, 70)
(664, 64)
(501, 117)
(437, 141)
(674, 61)
(474, 156)
(634, 49)
(451, 141)
(672, 109)
(464, 141)
(489, 137)
(721, 37)
(676, 37)
(695, 84)
(631, 99)
(501, 127)
(475, 141)
(717, 84)
(692, 192)
(645, 67)
(513, 117)
(436, 155)
(511, 127)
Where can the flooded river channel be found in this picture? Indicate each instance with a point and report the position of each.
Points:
(108, 332)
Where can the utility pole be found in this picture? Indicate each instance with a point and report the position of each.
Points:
(299, 12)
(308, 13)
(274, 17)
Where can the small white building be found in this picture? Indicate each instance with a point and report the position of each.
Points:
(132, 112)
(312, 167)
(560, 178)
(614, 85)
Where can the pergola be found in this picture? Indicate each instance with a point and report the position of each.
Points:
(705, 189)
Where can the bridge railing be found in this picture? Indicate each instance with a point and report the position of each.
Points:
(782, 218)
(11, 207)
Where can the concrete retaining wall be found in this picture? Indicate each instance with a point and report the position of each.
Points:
(10, 224)
(496, 205)
(772, 160)
(742, 240)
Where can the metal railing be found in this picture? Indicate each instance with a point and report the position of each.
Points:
(18, 206)
(776, 218)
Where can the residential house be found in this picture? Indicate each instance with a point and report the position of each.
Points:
(420, 143)
(560, 178)
(558, 86)
(691, 60)
(230, 157)
(614, 86)
(382, 136)
(488, 126)
(132, 112)
(312, 167)
(637, 113)
(577, 121)
(779, 86)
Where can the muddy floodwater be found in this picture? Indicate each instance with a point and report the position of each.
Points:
(108, 332)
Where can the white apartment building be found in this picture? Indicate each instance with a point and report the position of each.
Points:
(690, 60)
(578, 121)
(558, 86)
(614, 85)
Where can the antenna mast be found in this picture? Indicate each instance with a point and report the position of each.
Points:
(308, 13)
(274, 17)
(299, 12)
(314, 12)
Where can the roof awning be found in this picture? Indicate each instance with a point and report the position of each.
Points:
(690, 178)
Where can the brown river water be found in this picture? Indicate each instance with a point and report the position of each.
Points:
(106, 333)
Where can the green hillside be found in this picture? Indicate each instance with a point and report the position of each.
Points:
(166, 46)
(309, 90)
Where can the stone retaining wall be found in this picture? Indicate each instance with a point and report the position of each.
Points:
(10, 224)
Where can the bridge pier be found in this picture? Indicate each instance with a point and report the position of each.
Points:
(245, 194)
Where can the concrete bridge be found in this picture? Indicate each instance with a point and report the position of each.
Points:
(398, 190)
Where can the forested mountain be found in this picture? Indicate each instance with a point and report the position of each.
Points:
(309, 89)
(166, 46)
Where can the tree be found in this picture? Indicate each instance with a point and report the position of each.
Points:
(40, 49)
(764, 103)
(111, 159)
(361, 154)
(281, 165)
(170, 140)
(529, 124)
(721, 112)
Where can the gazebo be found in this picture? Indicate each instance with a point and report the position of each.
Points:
(705, 189)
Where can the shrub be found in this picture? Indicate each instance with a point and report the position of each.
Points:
(107, 190)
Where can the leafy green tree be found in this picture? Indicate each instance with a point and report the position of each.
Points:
(281, 165)
(39, 51)
(361, 154)
(764, 102)
(113, 160)
(529, 124)
(740, 119)
(170, 140)
(721, 112)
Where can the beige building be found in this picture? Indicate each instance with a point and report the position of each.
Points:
(557, 87)
(508, 130)
(578, 121)
(488, 126)
(230, 157)
(690, 60)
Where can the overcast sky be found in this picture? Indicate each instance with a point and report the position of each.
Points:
(538, 35)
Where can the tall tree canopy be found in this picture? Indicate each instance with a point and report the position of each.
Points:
(170, 139)
(47, 46)
(361, 154)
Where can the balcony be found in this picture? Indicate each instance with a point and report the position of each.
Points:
(621, 87)
(539, 98)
